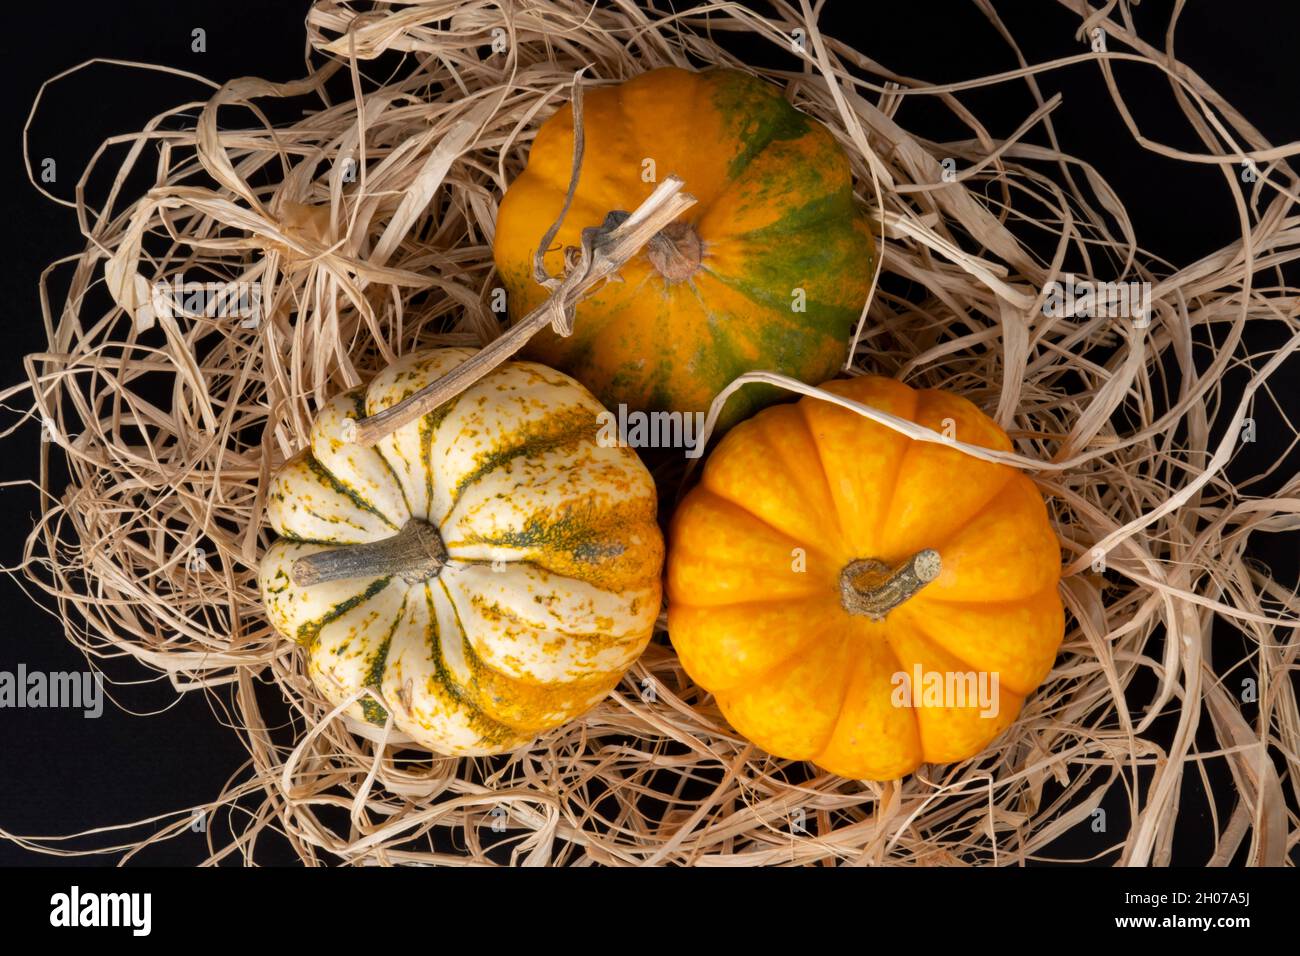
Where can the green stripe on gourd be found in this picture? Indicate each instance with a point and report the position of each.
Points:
(346, 489)
(310, 630)
(756, 116)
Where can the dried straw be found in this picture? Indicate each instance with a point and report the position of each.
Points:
(1114, 420)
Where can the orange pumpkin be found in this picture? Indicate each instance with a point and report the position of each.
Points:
(860, 599)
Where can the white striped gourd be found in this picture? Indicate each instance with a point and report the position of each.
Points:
(490, 569)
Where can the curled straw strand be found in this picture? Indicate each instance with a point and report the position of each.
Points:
(603, 251)
(366, 225)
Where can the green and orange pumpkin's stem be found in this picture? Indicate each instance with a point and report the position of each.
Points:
(871, 587)
(676, 251)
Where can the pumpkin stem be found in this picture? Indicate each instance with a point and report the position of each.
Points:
(873, 588)
(676, 251)
(416, 553)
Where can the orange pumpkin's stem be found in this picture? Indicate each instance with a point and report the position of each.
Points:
(416, 553)
(873, 588)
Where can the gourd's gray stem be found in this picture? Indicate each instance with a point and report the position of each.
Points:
(416, 553)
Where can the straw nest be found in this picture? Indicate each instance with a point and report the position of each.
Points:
(365, 222)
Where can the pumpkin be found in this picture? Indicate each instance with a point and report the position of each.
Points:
(769, 270)
(489, 570)
(860, 599)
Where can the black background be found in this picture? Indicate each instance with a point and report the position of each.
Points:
(59, 773)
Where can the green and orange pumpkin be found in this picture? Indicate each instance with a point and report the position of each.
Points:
(770, 270)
